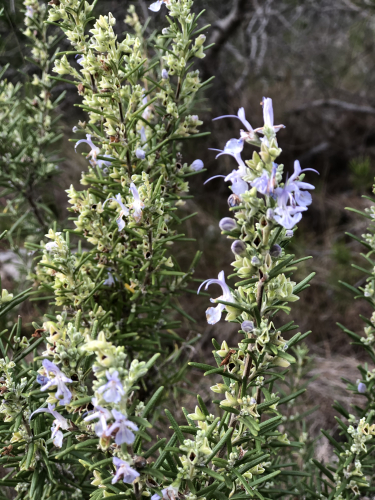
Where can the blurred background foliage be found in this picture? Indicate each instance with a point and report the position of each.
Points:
(315, 59)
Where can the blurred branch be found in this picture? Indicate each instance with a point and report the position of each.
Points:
(224, 28)
(347, 106)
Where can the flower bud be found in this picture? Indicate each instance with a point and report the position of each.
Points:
(238, 247)
(289, 233)
(227, 224)
(247, 326)
(255, 261)
(361, 387)
(197, 165)
(164, 74)
(275, 250)
(234, 201)
(200, 40)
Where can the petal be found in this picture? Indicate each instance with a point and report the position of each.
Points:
(242, 117)
(155, 7)
(213, 314)
(267, 111)
(58, 439)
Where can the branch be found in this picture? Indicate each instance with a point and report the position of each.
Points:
(224, 28)
(347, 106)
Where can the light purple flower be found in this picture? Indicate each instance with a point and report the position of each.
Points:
(110, 280)
(59, 380)
(156, 6)
(213, 314)
(29, 11)
(102, 415)
(197, 165)
(234, 148)
(143, 134)
(137, 205)
(268, 115)
(95, 151)
(170, 493)
(60, 422)
(124, 211)
(113, 389)
(164, 74)
(361, 388)
(140, 154)
(302, 198)
(79, 58)
(265, 184)
(239, 186)
(124, 471)
(122, 428)
(287, 215)
(241, 116)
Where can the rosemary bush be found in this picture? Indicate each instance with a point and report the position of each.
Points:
(80, 402)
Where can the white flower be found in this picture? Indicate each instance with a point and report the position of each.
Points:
(59, 422)
(102, 414)
(137, 205)
(197, 165)
(59, 380)
(213, 314)
(124, 211)
(124, 471)
(113, 389)
(121, 427)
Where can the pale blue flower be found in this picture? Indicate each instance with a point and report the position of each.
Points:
(241, 116)
(156, 6)
(227, 224)
(233, 148)
(137, 205)
(121, 427)
(143, 134)
(60, 422)
(197, 165)
(361, 388)
(59, 380)
(302, 198)
(124, 471)
(29, 11)
(79, 58)
(169, 493)
(287, 215)
(239, 186)
(102, 415)
(124, 211)
(113, 389)
(164, 74)
(268, 115)
(110, 280)
(140, 154)
(95, 151)
(265, 184)
(213, 314)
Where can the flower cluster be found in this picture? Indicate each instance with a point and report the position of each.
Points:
(285, 201)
